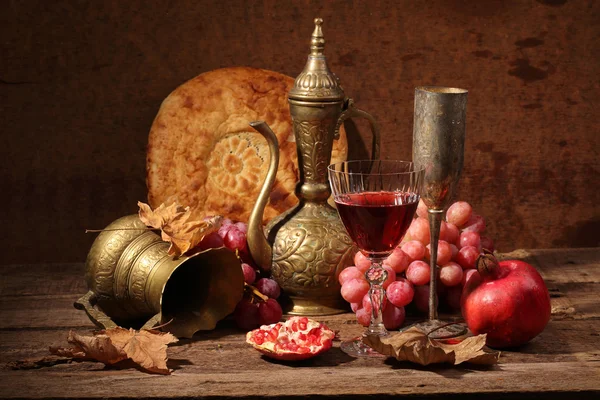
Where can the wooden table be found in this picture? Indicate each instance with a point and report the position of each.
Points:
(36, 311)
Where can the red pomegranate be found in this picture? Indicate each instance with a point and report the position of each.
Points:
(508, 300)
(298, 338)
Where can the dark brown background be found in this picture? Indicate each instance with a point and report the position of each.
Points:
(81, 81)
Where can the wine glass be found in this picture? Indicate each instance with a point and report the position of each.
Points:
(438, 147)
(376, 201)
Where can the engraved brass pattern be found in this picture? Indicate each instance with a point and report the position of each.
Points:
(126, 262)
(136, 264)
(314, 139)
(106, 251)
(310, 251)
(138, 277)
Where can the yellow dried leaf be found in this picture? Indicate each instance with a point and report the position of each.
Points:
(415, 346)
(146, 348)
(175, 226)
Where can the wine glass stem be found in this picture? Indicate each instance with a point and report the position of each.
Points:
(435, 223)
(376, 275)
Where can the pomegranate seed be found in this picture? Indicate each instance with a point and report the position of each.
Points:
(303, 322)
(272, 335)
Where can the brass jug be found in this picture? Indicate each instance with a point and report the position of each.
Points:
(307, 246)
(132, 278)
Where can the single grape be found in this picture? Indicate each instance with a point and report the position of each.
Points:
(363, 317)
(355, 306)
(226, 224)
(467, 256)
(414, 249)
(419, 230)
(393, 317)
(398, 260)
(391, 276)
(459, 213)
(269, 312)
(246, 315)
(235, 239)
(443, 230)
(487, 243)
(354, 290)
(350, 273)
(400, 293)
(444, 252)
(361, 262)
(475, 224)
(211, 241)
(268, 287)
(453, 296)
(421, 299)
(451, 274)
(452, 234)
(406, 238)
(470, 239)
(367, 305)
(467, 275)
(418, 273)
(241, 226)
(454, 251)
(422, 209)
(249, 273)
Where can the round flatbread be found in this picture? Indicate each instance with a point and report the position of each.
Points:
(203, 154)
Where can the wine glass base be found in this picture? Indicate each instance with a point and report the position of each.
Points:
(437, 329)
(357, 348)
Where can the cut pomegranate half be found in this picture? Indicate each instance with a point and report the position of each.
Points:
(298, 338)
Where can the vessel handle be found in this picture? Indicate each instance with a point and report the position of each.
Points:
(351, 111)
(99, 318)
(88, 303)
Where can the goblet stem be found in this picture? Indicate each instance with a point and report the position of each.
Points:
(376, 275)
(435, 223)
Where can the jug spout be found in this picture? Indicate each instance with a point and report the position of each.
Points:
(258, 245)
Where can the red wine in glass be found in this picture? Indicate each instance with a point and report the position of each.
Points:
(377, 221)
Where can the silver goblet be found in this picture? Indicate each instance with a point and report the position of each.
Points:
(438, 147)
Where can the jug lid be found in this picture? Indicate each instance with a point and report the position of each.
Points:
(316, 82)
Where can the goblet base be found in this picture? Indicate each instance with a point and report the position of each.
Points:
(437, 329)
(357, 348)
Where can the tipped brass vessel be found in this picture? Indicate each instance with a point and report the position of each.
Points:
(307, 246)
(133, 280)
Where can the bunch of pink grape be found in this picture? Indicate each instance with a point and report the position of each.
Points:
(408, 272)
(259, 305)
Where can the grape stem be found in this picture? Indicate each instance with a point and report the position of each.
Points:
(255, 292)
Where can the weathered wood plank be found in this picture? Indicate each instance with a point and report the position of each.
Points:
(369, 377)
(39, 279)
(36, 311)
(220, 350)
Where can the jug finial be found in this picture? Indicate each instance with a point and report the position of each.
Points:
(317, 43)
(316, 82)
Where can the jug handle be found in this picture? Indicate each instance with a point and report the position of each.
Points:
(99, 318)
(351, 111)
(88, 302)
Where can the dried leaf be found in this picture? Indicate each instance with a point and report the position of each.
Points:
(173, 221)
(415, 346)
(146, 348)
